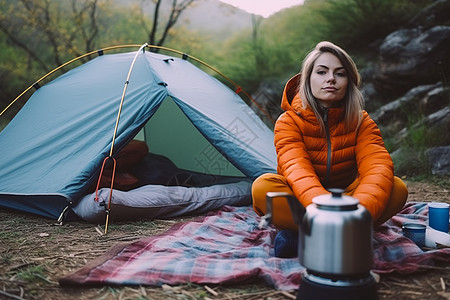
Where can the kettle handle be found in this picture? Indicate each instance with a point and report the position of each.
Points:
(297, 209)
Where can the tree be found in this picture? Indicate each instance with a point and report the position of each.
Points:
(260, 59)
(155, 35)
(38, 35)
(50, 24)
(354, 24)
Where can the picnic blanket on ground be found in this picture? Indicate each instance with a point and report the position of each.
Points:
(227, 247)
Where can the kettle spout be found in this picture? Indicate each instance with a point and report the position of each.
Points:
(297, 209)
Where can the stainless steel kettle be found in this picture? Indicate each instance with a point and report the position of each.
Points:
(335, 234)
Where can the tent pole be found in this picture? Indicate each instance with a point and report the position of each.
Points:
(115, 131)
(238, 89)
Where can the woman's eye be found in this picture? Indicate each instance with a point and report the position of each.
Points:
(340, 74)
(320, 72)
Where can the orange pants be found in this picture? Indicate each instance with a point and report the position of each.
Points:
(281, 213)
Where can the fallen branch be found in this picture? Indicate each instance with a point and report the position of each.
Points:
(213, 292)
(184, 292)
(411, 286)
(289, 295)
(411, 292)
(11, 295)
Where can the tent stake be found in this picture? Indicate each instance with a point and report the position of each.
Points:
(107, 220)
(108, 209)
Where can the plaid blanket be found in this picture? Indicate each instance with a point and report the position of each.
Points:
(395, 253)
(226, 247)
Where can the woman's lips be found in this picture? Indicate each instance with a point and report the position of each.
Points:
(330, 89)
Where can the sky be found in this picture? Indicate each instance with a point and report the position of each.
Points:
(264, 8)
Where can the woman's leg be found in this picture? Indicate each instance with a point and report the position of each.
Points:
(398, 198)
(281, 212)
(399, 195)
(282, 216)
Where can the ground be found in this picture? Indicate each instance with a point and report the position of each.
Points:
(35, 252)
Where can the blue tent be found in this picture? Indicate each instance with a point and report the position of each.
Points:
(53, 149)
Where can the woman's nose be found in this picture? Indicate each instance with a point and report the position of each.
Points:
(331, 78)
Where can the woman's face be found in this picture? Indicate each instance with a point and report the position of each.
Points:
(329, 80)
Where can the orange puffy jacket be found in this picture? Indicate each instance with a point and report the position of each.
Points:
(311, 162)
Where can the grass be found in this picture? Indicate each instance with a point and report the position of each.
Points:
(34, 274)
(7, 235)
(126, 226)
(6, 258)
(411, 159)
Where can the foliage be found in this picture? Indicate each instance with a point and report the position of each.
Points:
(284, 39)
(411, 159)
(411, 163)
(293, 33)
(355, 24)
(412, 149)
(38, 35)
(280, 44)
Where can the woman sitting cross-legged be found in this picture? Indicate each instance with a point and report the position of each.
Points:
(325, 139)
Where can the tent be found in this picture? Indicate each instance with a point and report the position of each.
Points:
(53, 149)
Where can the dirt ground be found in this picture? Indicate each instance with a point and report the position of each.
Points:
(35, 252)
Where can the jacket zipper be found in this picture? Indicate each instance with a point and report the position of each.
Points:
(327, 133)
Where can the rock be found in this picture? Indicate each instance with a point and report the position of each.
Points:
(439, 159)
(438, 120)
(436, 127)
(411, 57)
(268, 100)
(407, 91)
(435, 100)
(373, 98)
(436, 13)
(396, 154)
(398, 111)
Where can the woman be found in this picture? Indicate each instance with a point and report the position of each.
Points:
(325, 139)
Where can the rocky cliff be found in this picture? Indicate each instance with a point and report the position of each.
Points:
(407, 90)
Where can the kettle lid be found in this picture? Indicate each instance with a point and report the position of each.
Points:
(336, 200)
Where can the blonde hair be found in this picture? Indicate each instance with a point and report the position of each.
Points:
(353, 99)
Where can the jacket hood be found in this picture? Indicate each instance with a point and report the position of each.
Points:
(291, 98)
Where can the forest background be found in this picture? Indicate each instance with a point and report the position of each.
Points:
(37, 36)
